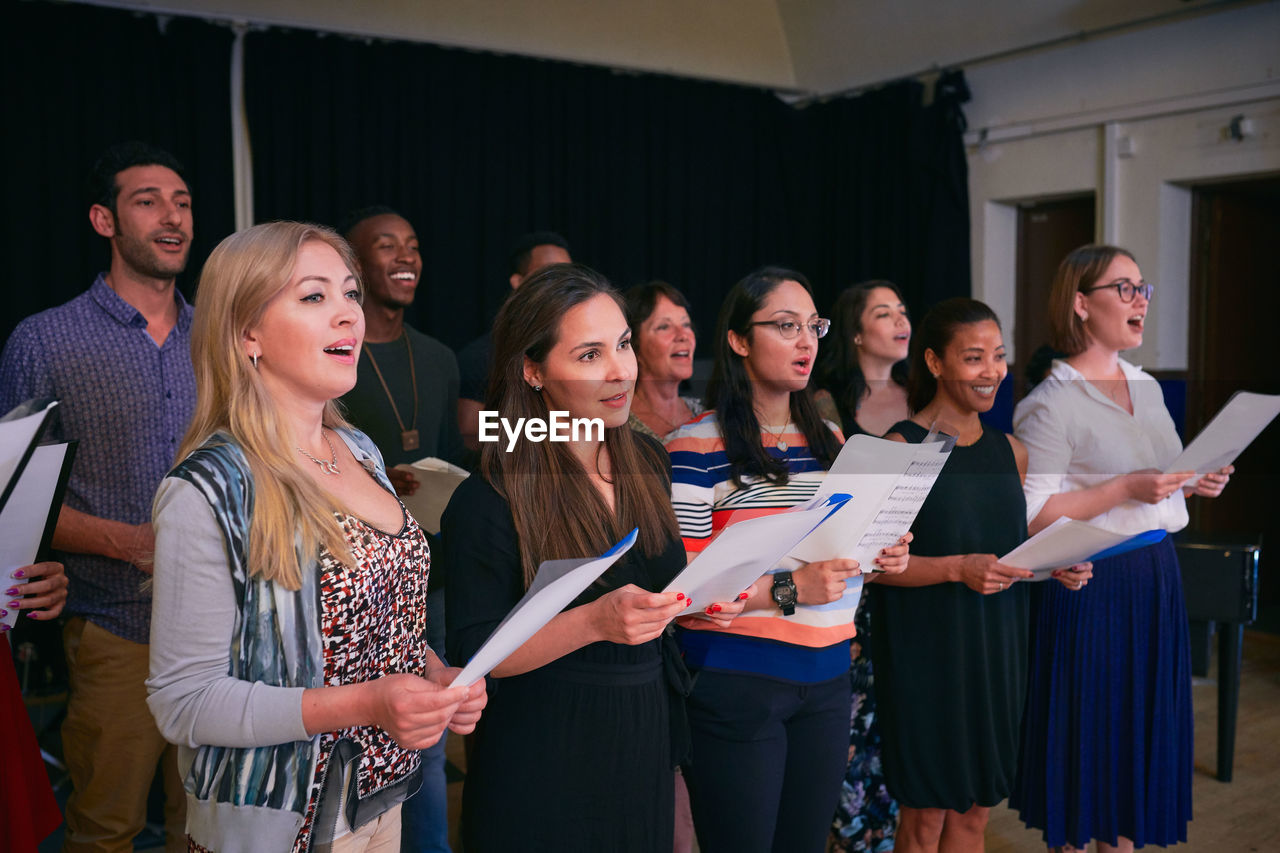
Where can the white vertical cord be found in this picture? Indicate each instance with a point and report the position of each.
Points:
(241, 150)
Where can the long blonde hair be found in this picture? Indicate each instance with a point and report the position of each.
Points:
(291, 514)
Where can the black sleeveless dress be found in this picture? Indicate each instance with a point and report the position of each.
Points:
(951, 663)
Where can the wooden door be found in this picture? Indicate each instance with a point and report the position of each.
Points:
(1047, 231)
(1235, 304)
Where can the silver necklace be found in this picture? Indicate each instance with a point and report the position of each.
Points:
(777, 436)
(330, 467)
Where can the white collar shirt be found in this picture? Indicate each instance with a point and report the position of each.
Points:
(1078, 437)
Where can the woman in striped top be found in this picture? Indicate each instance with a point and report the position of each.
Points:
(770, 708)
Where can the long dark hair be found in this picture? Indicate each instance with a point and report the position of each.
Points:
(729, 390)
(558, 513)
(838, 370)
(935, 331)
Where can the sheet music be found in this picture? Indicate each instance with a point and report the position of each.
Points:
(557, 583)
(24, 517)
(1234, 428)
(888, 482)
(745, 550)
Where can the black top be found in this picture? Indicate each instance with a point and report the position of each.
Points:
(436, 371)
(951, 663)
(575, 755)
(473, 367)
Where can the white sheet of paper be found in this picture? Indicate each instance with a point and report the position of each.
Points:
(436, 481)
(887, 482)
(557, 583)
(23, 519)
(15, 437)
(1061, 544)
(747, 549)
(1236, 425)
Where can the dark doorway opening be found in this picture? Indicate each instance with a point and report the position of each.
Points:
(1047, 231)
(1235, 300)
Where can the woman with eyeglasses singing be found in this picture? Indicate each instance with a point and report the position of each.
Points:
(769, 710)
(1106, 742)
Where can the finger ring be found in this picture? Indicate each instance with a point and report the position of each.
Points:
(1002, 587)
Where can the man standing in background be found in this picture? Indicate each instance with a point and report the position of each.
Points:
(530, 253)
(405, 398)
(118, 358)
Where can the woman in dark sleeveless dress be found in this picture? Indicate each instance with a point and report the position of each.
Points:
(950, 648)
(862, 380)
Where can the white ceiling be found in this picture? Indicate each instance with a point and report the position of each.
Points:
(809, 47)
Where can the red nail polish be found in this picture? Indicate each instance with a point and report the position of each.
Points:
(688, 601)
(742, 596)
(679, 596)
(715, 608)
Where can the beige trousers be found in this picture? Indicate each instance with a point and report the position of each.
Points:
(112, 745)
(380, 835)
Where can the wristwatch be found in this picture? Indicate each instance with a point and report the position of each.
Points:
(784, 592)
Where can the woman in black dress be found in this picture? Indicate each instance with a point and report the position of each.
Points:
(862, 374)
(950, 648)
(862, 379)
(579, 748)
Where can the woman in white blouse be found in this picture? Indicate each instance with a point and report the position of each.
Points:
(1107, 745)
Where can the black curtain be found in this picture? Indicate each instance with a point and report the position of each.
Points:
(78, 78)
(647, 176)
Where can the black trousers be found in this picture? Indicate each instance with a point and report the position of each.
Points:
(766, 762)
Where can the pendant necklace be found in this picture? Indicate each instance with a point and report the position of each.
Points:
(777, 436)
(329, 467)
(409, 436)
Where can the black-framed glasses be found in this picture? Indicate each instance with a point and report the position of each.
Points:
(790, 329)
(1127, 289)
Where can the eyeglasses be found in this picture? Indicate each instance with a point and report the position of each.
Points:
(1127, 289)
(790, 329)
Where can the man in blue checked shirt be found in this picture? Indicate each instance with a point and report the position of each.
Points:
(118, 359)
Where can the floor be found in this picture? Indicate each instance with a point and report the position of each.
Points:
(1239, 817)
(1236, 817)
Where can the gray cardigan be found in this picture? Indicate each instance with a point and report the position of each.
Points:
(223, 687)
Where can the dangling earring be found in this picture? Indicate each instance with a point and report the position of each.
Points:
(254, 359)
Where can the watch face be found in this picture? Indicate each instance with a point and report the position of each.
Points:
(784, 593)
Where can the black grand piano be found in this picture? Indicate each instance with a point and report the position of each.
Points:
(1220, 586)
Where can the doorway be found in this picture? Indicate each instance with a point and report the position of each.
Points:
(1235, 299)
(1047, 231)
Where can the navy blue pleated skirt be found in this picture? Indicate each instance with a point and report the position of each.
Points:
(1106, 733)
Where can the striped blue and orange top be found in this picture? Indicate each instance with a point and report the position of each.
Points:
(812, 644)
